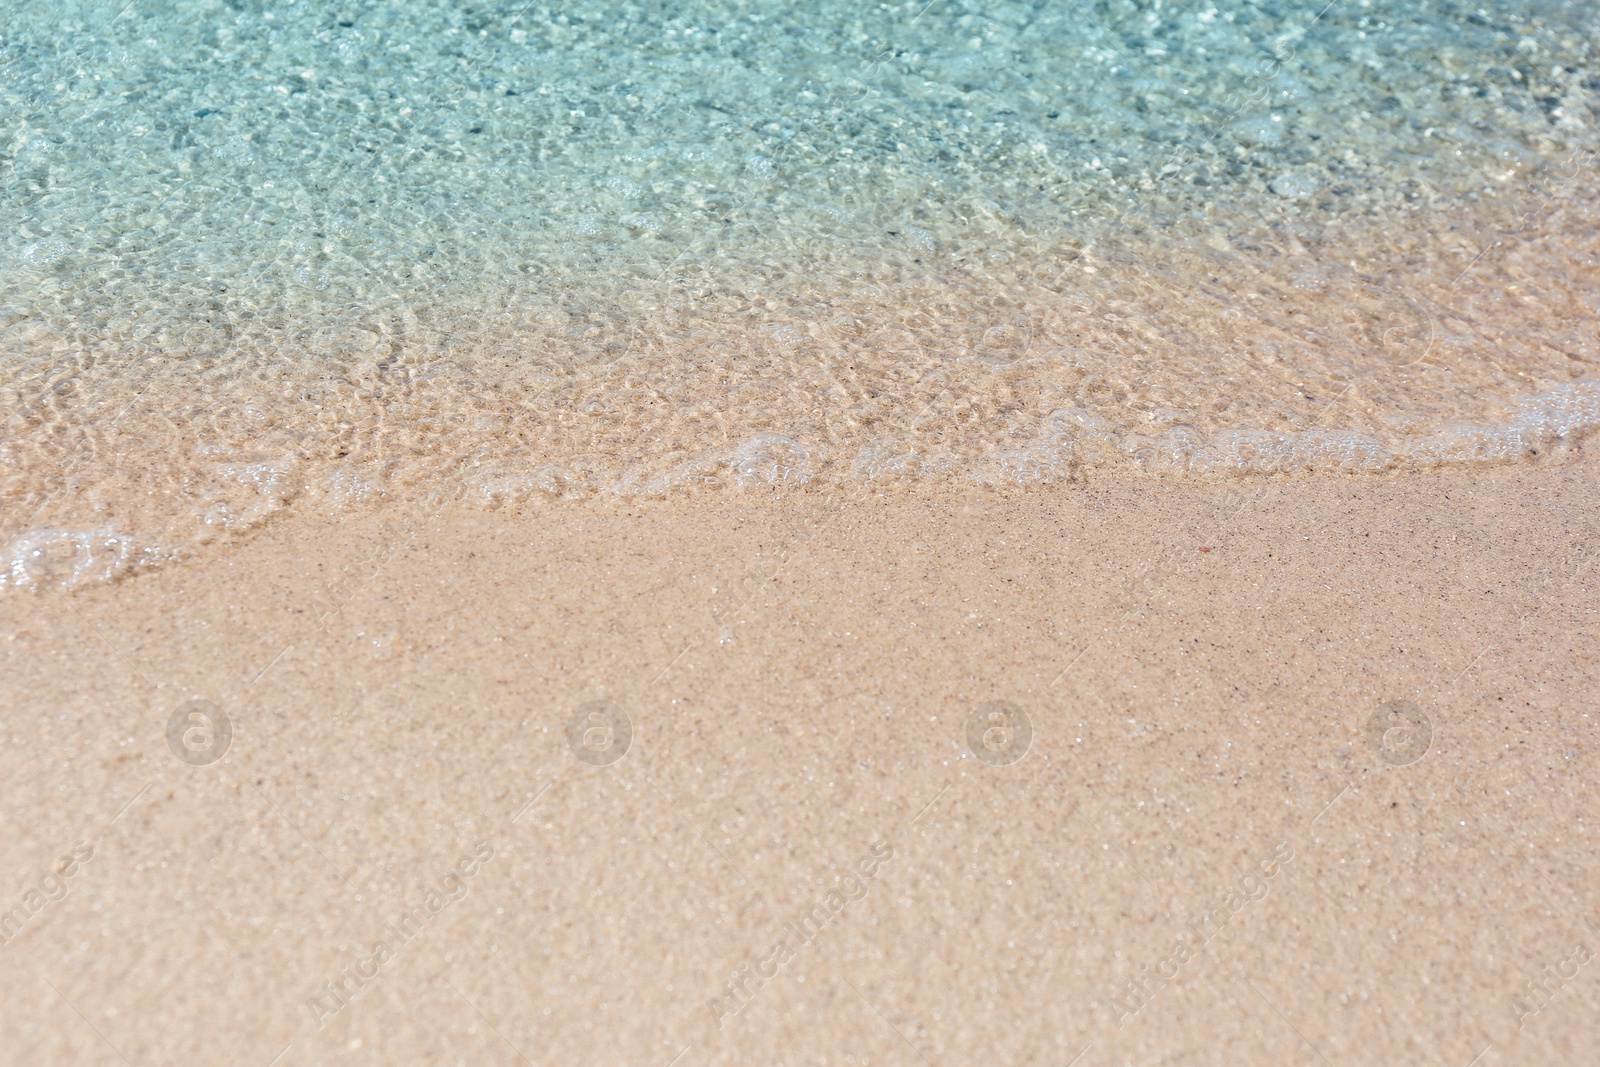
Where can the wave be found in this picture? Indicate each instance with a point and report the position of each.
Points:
(1070, 445)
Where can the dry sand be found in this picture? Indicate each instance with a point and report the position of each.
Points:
(1199, 663)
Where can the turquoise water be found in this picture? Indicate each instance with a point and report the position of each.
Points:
(260, 256)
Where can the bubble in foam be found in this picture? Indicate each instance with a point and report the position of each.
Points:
(881, 463)
(626, 188)
(64, 559)
(1559, 414)
(44, 253)
(241, 495)
(1259, 130)
(351, 485)
(207, 334)
(1541, 423)
(548, 481)
(1295, 185)
(784, 336)
(771, 459)
(1001, 335)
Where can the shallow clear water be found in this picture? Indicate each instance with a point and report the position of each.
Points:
(265, 255)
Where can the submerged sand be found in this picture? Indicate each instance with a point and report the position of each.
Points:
(400, 858)
(266, 257)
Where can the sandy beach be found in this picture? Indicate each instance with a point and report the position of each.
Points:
(1287, 770)
(744, 533)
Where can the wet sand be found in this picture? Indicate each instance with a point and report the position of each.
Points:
(1206, 853)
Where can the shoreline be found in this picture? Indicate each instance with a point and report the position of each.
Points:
(1067, 448)
(1200, 667)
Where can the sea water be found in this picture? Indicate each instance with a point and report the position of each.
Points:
(266, 254)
